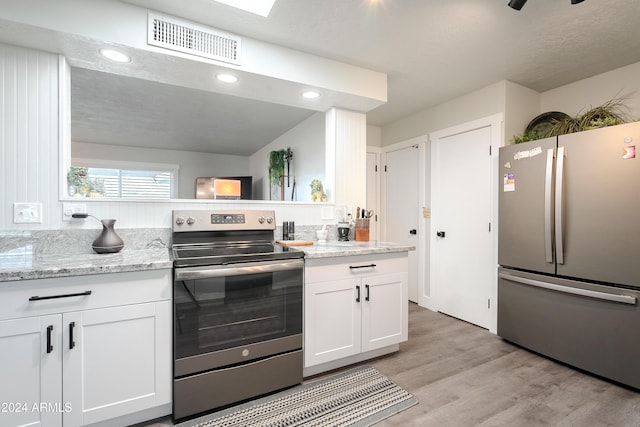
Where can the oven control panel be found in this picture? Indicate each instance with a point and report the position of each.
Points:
(205, 220)
(227, 218)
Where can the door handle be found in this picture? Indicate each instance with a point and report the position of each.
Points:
(358, 293)
(440, 234)
(367, 294)
(413, 231)
(72, 342)
(49, 344)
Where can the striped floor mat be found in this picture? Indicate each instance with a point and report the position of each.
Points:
(358, 397)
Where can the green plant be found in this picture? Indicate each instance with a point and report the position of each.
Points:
(610, 113)
(276, 165)
(525, 137)
(78, 178)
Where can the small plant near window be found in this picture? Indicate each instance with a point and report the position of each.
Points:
(82, 185)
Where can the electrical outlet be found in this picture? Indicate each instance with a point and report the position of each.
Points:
(27, 213)
(69, 209)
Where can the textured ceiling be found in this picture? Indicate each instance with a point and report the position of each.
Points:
(436, 50)
(431, 50)
(108, 108)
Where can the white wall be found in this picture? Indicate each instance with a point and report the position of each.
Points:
(521, 106)
(374, 136)
(192, 164)
(307, 142)
(576, 98)
(480, 103)
(28, 133)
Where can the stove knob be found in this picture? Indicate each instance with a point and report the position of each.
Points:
(179, 220)
(269, 220)
(261, 220)
(190, 221)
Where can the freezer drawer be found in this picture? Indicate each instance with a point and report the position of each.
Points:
(591, 327)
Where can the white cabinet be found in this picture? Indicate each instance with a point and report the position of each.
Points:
(80, 357)
(354, 308)
(30, 371)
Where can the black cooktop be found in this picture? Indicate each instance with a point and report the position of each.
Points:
(219, 253)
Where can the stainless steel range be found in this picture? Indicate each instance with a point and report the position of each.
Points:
(237, 309)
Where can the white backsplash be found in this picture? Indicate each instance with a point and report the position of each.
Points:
(158, 214)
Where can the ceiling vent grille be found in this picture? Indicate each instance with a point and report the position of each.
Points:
(186, 37)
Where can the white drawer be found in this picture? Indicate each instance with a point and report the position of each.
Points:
(106, 290)
(324, 269)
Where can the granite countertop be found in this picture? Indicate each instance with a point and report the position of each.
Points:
(40, 255)
(29, 255)
(352, 248)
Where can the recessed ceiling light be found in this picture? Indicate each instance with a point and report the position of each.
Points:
(227, 78)
(115, 55)
(311, 94)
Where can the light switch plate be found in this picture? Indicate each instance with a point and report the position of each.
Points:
(27, 213)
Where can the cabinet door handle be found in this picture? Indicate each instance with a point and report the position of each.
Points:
(355, 267)
(366, 287)
(49, 344)
(357, 293)
(72, 342)
(79, 294)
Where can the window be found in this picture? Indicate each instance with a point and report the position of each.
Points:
(96, 179)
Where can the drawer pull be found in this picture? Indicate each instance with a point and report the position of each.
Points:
(49, 344)
(79, 294)
(72, 342)
(358, 293)
(354, 267)
(366, 287)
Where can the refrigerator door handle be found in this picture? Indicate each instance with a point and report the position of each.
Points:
(548, 207)
(624, 299)
(558, 205)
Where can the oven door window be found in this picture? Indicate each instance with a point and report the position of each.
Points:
(223, 312)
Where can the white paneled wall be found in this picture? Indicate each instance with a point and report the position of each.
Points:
(28, 133)
(346, 133)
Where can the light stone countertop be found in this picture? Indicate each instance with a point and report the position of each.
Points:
(46, 254)
(351, 248)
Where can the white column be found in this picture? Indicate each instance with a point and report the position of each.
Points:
(346, 157)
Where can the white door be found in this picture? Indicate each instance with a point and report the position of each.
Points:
(118, 361)
(401, 204)
(31, 371)
(384, 310)
(332, 320)
(463, 252)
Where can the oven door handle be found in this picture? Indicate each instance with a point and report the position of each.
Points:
(206, 272)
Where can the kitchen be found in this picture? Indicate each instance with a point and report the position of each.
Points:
(504, 96)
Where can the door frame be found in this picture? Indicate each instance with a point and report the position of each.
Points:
(422, 249)
(376, 206)
(496, 123)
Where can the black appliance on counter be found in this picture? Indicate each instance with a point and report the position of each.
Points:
(237, 309)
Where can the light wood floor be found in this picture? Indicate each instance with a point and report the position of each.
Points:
(465, 376)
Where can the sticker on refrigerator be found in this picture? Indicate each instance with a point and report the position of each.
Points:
(527, 153)
(629, 152)
(509, 182)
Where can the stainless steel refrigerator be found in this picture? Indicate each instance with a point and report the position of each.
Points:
(569, 249)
